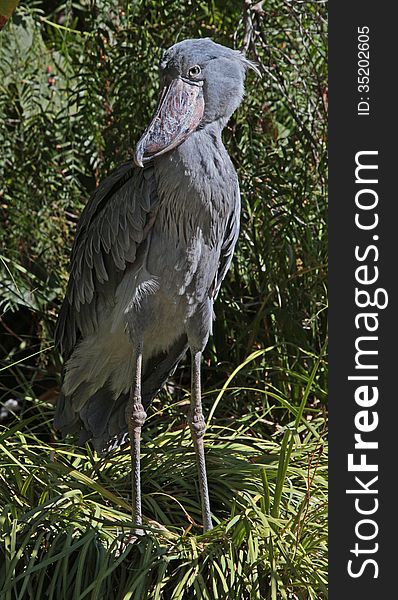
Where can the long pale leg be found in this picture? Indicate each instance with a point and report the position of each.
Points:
(135, 416)
(197, 425)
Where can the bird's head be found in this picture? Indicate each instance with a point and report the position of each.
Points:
(202, 83)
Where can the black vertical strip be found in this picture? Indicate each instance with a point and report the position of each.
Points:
(349, 134)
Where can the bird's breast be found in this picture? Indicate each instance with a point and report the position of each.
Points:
(197, 187)
(183, 255)
(173, 289)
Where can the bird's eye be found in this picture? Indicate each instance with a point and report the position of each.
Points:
(194, 71)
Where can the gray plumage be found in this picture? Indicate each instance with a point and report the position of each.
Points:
(152, 247)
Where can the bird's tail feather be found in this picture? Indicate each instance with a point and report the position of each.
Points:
(100, 415)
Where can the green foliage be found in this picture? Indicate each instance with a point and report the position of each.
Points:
(66, 521)
(78, 83)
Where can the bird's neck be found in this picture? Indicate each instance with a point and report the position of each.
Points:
(202, 153)
(198, 175)
(210, 131)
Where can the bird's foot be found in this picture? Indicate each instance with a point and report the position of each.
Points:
(136, 535)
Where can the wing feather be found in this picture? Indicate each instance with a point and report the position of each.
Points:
(111, 228)
(228, 246)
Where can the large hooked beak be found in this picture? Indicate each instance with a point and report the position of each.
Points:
(179, 112)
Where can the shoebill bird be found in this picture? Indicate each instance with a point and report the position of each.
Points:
(152, 247)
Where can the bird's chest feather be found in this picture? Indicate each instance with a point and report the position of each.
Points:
(186, 240)
(173, 285)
